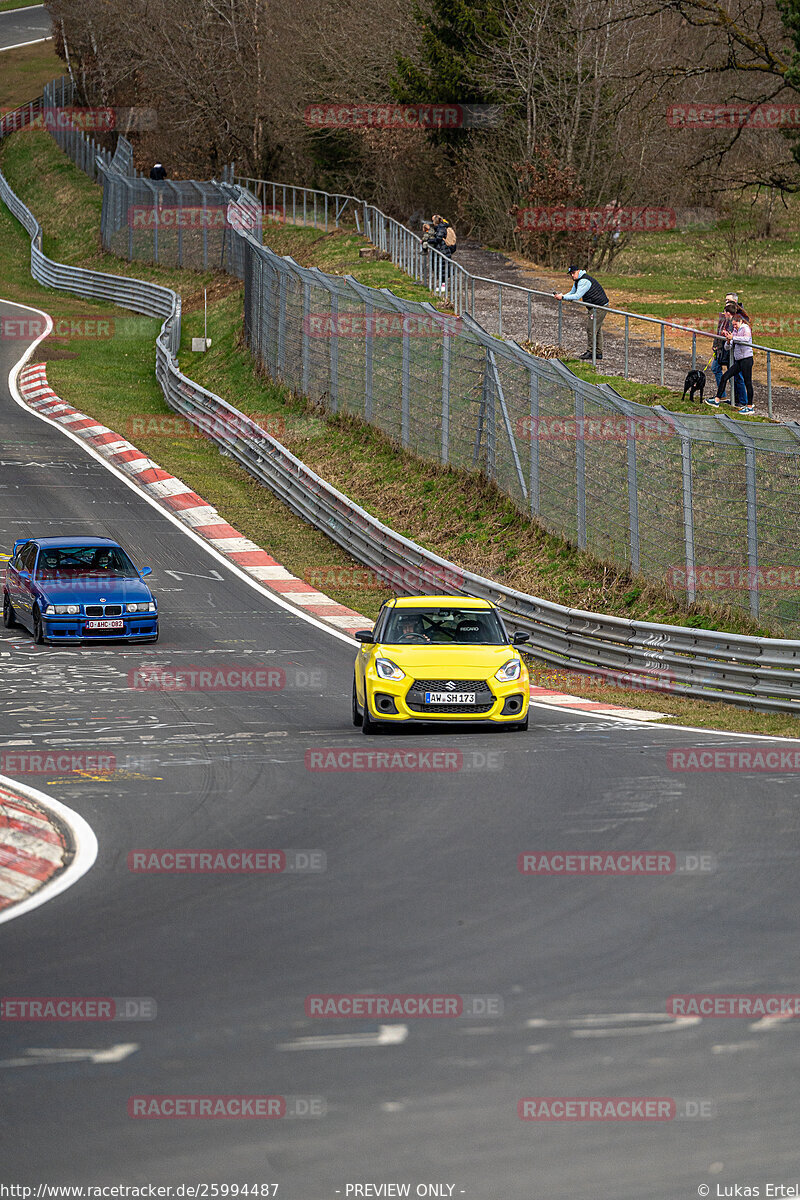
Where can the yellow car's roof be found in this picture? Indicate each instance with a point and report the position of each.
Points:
(439, 601)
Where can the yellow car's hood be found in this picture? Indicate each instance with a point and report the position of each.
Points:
(447, 662)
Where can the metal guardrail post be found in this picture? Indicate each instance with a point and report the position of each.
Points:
(694, 350)
(688, 517)
(580, 470)
(500, 309)
(498, 391)
(662, 354)
(534, 437)
(626, 346)
(769, 385)
(491, 423)
(530, 317)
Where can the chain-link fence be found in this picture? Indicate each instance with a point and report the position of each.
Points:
(706, 505)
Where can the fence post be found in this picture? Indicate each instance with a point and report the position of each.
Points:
(446, 344)
(405, 414)
(746, 439)
(334, 388)
(282, 324)
(369, 346)
(626, 345)
(534, 436)
(304, 338)
(633, 492)
(580, 470)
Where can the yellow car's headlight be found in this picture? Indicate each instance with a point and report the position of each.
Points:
(509, 671)
(386, 669)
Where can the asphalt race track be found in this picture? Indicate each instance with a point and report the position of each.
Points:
(421, 894)
(19, 26)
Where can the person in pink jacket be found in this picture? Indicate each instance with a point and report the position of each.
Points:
(741, 337)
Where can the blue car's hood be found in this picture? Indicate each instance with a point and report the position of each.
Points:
(88, 589)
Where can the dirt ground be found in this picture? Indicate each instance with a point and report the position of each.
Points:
(644, 356)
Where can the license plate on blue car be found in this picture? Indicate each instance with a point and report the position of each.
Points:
(105, 624)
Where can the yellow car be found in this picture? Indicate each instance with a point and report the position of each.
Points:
(439, 658)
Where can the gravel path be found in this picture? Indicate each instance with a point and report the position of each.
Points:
(644, 358)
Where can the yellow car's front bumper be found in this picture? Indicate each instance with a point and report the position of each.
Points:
(386, 699)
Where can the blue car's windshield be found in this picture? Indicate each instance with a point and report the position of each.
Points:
(445, 626)
(72, 561)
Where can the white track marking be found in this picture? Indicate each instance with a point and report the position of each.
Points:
(387, 1035)
(46, 1058)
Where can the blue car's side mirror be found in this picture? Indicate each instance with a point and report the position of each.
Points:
(146, 571)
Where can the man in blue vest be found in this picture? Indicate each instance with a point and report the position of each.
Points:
(590, 292)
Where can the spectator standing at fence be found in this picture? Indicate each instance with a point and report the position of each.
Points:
(158, 172)
(721, 346)
(443, 238)
(589, 291)
(741, 338)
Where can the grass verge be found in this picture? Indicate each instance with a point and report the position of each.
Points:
(26, 70)
(461, 517)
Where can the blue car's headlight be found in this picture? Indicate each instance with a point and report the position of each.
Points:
(143, 607)
(62, 610)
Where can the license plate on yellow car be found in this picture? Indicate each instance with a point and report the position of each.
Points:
(449, 697)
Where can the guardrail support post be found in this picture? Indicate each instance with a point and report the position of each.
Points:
(662, 353)
(688, 517)
(742, 436)
(282, 324)
(626, 346)
(769, 384)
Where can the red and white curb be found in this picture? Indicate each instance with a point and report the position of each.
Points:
(33, 848)
(543, 695)
(203, 519)
(176, 496)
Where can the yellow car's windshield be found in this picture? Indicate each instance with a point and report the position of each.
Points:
(443, 626)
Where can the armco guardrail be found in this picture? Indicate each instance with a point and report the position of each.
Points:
(539, 312)
(755, 672)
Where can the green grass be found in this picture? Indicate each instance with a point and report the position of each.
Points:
(461, 517)
(25, 71)
(8, 5)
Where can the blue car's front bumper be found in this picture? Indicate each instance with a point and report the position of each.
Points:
(136, 627)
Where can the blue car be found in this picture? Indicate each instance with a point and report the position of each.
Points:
(78, 590)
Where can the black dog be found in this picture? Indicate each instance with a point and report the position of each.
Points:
(695, 382)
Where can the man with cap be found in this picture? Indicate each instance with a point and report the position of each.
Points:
(590, 292)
